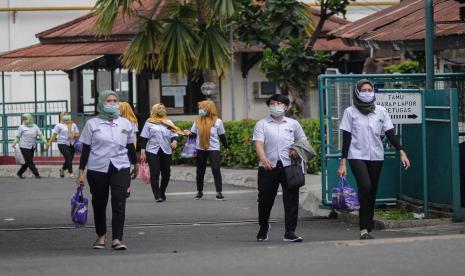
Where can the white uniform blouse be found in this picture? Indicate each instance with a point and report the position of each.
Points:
(27, 136)
(108, 140)
(366, 131)
(159, 136)
(62, 134)
(216, 131)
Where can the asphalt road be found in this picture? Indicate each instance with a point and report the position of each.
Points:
(187, 237)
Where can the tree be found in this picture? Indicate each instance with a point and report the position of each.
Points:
(186, 36)
(288, 33)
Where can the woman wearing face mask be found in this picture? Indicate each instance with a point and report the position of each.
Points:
(208, 130)
(108, 152)
(26, 137)
(126, 111)
(362, 125)
(65, 133)
(273, 137)
(158, 138)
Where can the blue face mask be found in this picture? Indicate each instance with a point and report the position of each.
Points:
(111, 108)
(277, 111)
(67, 118)
(202, 113)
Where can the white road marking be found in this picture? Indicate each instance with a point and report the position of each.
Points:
(9, 219)
(214, 193)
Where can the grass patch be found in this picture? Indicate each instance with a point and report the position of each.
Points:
(400, 214)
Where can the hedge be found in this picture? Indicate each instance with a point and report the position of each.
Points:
(242, 151)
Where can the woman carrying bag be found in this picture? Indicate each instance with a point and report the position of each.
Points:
(158, 138)
(108, 152)
(362, 125)
(65, 133)
(208, 130)
(26, 137)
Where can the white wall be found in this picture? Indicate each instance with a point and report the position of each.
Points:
(21, 33)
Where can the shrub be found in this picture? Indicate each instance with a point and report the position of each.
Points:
(242, 150)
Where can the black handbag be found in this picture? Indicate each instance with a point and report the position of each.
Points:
(294, 175)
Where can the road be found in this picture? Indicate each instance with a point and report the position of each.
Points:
(183, 236)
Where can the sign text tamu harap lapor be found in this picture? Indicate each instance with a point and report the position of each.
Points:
(404, 108)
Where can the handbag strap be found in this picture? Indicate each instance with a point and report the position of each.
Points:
(342, 181)
(79, 193)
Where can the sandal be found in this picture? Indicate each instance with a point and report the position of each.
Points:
(97, 245)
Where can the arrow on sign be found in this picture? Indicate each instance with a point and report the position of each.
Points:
(412, 116)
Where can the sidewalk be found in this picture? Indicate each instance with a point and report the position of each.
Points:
(310, 194)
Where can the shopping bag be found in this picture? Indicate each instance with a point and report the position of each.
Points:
(294, 175)
(144, 172)
(189, 150)
(78, 146)
(19, 157)
(344, 197)
(79, 208)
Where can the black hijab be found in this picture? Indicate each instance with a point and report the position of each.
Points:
(363, 107)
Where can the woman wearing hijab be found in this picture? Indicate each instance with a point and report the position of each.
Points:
(362, 125)
(108, 152)
(26, 137)
(159, 137)
(65, 133)
(208, 130)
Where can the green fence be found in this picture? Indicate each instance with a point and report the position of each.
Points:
(443, 119)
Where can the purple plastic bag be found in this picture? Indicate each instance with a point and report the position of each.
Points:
(79, 208)
(78, 146)
(189, 150)
(344, 197)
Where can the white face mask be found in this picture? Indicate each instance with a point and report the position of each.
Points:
(365, 97)
(277, 111)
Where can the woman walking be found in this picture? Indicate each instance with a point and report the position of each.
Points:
(362, 125)
(208, 130)
(65, 133)
(26, 137)
(126, 111)
(158, 138)
(108, 150)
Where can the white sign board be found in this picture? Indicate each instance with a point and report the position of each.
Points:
(404, 108)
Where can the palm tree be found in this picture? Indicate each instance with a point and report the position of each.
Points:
(186, 36)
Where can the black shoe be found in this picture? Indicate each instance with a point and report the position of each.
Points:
(366, 237)
(38, 176)
(20, 176)
(219, 196)
(119, 246)
(62, 173)
(292, 237)
(198, 196)
(163, 197)
(262, 234)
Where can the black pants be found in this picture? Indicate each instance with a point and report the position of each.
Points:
(268, 184)
(159, 163)
(28, 155)
(367, 175)
(100, 183)
(68, 154)
(215, 160)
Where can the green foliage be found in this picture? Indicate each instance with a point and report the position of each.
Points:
(242, 150)
(407, 66)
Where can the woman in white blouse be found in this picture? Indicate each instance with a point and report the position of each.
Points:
(65, 133)
(158, 138)
(362, 125)
(26, 137)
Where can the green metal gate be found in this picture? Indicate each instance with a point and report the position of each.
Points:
(432, 146)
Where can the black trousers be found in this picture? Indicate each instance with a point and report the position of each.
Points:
(215, 161)
(268, 184)
(159, 163)
(68, 154)
(367, 175)
(28, 155)
(100, 184)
